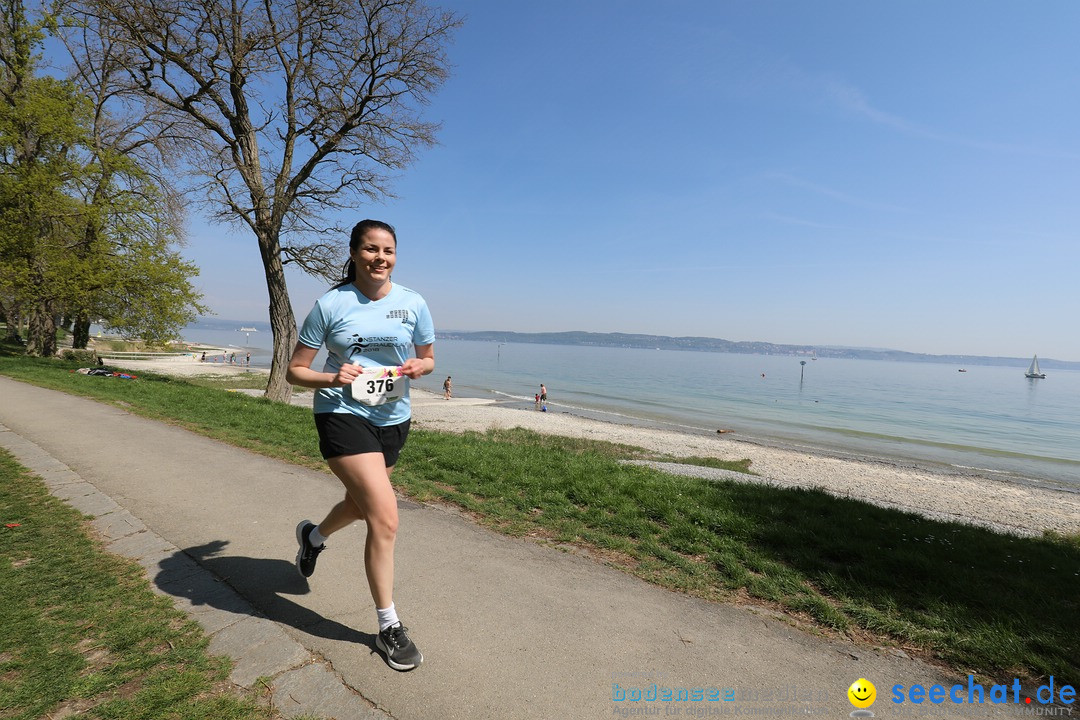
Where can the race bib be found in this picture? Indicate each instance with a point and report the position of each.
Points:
(379, 385)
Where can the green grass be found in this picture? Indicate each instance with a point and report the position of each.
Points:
(996, 605)
(80, 629)
(255, 423)
(742, 466)
(247, 381)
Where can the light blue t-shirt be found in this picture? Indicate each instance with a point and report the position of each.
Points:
(362, 331)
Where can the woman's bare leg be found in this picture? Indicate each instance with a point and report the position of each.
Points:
(342, 515)
(367, 482)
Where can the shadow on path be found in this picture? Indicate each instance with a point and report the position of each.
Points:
(261, 583)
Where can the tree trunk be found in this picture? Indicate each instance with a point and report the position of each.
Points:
(16, 322)
(13, 330)
(282, 320)
(41, 333)
(13, 321)
(80, 334)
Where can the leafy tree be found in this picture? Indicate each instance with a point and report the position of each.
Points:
(135, 282)
(88, 221)
(39, 126)
(289, 109)
(133, 213)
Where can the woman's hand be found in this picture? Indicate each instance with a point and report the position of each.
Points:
(422, 364)
(346, 374)
(414, 368)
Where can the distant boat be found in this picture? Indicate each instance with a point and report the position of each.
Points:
(961, 370)
(1033, 371)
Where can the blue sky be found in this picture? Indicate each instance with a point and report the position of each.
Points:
(901, 175)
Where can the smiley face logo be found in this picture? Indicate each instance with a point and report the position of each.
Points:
(862, 693)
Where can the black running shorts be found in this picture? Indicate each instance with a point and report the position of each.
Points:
(348, 434)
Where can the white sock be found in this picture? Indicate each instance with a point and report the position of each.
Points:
(387, 617)
(316, 538)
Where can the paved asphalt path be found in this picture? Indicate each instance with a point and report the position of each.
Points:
(509, 628)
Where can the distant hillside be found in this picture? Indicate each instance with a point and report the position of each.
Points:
(705, 344)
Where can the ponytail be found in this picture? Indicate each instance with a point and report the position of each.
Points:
(348, 274)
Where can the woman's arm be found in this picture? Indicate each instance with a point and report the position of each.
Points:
(300, 372)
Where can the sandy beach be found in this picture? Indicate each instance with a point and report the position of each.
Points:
(186, 365)
(940, 494)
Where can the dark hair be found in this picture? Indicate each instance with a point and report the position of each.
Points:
(361, 228)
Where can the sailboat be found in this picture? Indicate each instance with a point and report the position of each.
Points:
(1033, 371)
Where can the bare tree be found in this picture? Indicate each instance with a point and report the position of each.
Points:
(289, 110)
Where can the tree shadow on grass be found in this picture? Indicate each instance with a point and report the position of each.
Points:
(1009, 603)
(237, 584)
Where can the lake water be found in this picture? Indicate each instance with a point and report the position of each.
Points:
(990, 419)
(227, 335)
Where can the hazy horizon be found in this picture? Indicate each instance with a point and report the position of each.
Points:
(231, 322)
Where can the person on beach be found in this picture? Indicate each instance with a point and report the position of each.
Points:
(367, 323)
(543, 394)
(447, 388)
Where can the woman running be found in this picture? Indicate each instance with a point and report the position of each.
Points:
(370, 327)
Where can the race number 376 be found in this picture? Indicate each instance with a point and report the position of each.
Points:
(379, 385)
